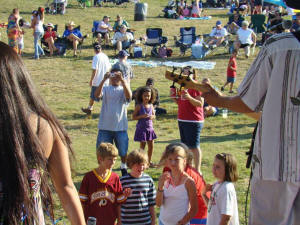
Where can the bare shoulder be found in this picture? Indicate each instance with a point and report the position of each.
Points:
(189, 183)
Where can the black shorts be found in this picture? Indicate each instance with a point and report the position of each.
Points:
(101, 33)
(244, 45)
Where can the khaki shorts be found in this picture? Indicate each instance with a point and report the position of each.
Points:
(274, 203)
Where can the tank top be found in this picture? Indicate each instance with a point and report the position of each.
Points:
(34, 179)
(176, 204)
(145, 123)
(39, 25)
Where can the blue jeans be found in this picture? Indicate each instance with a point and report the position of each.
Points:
(120, 138)
(190, 133)
(37, 48)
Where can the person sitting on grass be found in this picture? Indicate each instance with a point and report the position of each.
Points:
(119, 22)
(123, 39)
(141, 201)
(231, 71)
(50, 36)
(217, 35)
(74, 36)
(234, 23)
(101, 191)
(103, 30)
(209, 110)
(113, 123)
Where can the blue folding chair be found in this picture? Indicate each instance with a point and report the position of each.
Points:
(154, 38)
(187, 38)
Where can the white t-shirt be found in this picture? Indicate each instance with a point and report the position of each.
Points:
(222, 201)
(102, 65)
(101, 24)
(118, 35)
(218, 32)
(245, 36)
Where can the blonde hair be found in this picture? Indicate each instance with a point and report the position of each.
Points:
(175, 148)
(107, 150)
(137, 157)
(230, 163)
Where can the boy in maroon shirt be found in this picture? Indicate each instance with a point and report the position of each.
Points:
(231, 72)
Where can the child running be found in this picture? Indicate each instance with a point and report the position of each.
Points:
(231, 71)
(144, 113)
(222, 205)
(101, 190)
(176, 193)
(139, 206)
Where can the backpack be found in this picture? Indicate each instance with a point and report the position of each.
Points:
(162, 52)
(169, 52)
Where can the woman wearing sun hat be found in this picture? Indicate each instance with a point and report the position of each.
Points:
(50, 36)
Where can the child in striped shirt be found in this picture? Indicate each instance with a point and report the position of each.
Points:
(139, 206)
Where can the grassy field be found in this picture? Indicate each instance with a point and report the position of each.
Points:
(63, 82)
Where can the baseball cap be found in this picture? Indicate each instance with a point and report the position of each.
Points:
(97, 46)
(104, 17)
(218, 23)
(295, 4)
(122, 54)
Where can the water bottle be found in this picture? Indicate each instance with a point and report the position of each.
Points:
(224, 113)
(173, 91)
(91, 221)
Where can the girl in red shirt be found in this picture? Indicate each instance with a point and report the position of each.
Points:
(50, 36)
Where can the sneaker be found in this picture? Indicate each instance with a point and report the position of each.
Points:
(222, 88)
(230, 92)
(124, 172)
(86, 110)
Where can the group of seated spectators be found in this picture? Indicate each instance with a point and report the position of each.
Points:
(192, 10)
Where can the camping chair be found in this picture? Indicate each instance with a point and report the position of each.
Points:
(187, 38)
(258, 23)
(68, 44)
(43, 41)
(154, 38)
(95, 26)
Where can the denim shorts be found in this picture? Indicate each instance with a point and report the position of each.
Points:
(92, 95)
(190, 133)
(230, 79)
(120, 138)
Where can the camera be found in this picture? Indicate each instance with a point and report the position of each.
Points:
(112, 74)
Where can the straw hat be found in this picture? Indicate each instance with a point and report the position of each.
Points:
(71, 23)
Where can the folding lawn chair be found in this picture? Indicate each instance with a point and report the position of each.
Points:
(154, 38)
(187, 38)
(43, 42)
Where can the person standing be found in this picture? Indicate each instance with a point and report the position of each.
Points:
(270, 92)
(37, 25)
(100, 66)
(13, 29)
(36, 147)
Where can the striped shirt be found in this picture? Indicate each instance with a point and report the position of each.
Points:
(136, 208)
(270, 86)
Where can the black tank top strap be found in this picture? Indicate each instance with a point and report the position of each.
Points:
(38, 125)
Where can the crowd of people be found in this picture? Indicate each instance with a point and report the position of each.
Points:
(37, 146)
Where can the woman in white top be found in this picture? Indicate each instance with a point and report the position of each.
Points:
(176, 194)
(38, 31)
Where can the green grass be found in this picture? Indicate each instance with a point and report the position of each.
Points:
(63, 82)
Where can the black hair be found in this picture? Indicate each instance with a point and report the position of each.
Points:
(140, 92)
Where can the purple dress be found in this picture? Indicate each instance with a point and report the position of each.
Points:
(144, 127)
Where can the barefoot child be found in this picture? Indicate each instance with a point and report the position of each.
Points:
(176, 193)
(231, 72)
(222, 205)
(144, 113)
(101, 190)
(139, 207)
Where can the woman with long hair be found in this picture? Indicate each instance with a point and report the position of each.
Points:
(38, 31)
(34, 146)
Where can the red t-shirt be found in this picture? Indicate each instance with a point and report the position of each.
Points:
(231, 63)
(49, 34)
(100, 198)
(188, 112)
(200, 185)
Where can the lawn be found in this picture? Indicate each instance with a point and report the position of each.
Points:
(64, 83)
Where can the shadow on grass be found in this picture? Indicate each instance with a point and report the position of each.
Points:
(168, 141)
(77, 116)
(229, 137)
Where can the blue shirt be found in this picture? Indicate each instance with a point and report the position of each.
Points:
(76, 32)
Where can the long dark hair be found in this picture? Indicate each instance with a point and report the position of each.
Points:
(141, 91)
(21, 148)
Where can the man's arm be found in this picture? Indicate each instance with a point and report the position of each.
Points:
(99, 89)
(94, 72)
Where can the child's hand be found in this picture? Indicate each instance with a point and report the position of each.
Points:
(185, 94)
(144, 116)
(180, 222)
(208, 188)
(127, 192)
(165, 176)
(152, 117)
(106, 76)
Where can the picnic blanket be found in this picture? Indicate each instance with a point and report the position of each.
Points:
(195, 18)
(195, 64)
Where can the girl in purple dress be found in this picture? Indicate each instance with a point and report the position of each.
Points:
(144, 113)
